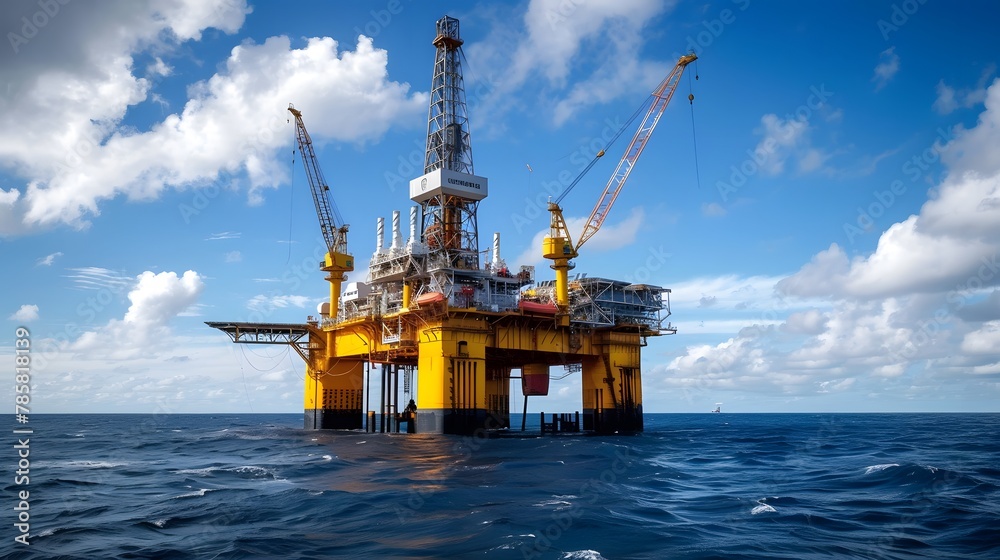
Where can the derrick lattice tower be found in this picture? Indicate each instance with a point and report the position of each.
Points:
(449, 191)
(448, 144)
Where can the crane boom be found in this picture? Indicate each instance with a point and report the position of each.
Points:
(661, 98)
(334, 235)
(558, 246)
(337, 260)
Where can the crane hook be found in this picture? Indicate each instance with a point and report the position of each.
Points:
(691, 98)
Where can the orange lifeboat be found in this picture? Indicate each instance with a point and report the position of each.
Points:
(535, 307)
(430, 298)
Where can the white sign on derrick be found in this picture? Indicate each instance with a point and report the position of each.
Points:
(446, 181)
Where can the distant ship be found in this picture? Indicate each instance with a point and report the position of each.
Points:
(718, 407)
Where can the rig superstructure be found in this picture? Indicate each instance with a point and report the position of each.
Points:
(430, 310)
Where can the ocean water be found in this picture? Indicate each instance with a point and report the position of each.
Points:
(724, 485)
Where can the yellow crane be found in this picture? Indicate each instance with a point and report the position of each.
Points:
(558, 246)
(338, 261)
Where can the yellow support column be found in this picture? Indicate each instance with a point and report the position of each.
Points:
(498, 396)
(406, 295)
(612, 388)
(334, 393)
(451, 378)
(561, 266)
(334, 296)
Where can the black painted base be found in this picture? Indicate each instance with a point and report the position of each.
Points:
(473, 421)
(613, 421)
(460, 422)
(319, 419)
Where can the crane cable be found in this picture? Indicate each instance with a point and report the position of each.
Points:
(694, 137)
(606, 148)
(244, 350)
(244, 376)
(291, 198)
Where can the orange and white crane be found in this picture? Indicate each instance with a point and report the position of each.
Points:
(558, 246)
(338, 261)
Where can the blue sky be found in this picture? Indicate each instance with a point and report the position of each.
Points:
(834, 248)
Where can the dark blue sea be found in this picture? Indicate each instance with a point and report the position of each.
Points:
(692, 486)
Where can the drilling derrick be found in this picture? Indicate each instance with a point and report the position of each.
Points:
(448, 143)
(453, 382)
(449, 192)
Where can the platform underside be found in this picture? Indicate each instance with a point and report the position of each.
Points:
(460, 366)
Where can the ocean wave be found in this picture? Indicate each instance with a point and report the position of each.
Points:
(242, 471)
(762, 507)
(553, 502)
(731, 492)
(879, 468)
(200, 493)
(71, 482)
(82, 464)
(582, 555)
(48, 531)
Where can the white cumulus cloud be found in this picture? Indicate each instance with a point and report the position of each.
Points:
(917, 318)
(157, 298)
(25, 313)
(47, 260)
(950, 99)
(887, 67)
(76, 154)
(595, 40)
(264, 303)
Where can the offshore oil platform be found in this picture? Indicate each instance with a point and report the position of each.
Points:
(430, 310)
